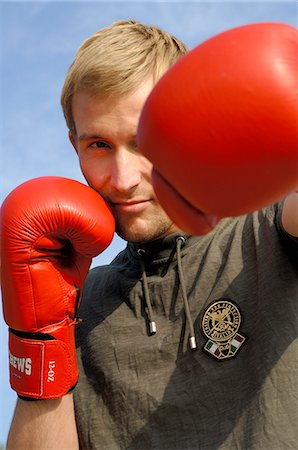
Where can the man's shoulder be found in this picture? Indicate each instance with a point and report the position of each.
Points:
(108, 270)
(264, 219)
(105, 284)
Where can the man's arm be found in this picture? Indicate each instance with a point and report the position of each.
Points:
(51, 227)
(289, 217)
(44, 424)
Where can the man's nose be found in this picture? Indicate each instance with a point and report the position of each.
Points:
(125, 173)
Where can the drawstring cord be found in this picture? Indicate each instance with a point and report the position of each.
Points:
(192, 340)
(152, 324)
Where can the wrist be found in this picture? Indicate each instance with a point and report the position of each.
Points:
(43, 364)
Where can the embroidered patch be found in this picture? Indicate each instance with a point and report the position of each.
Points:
(220, 324)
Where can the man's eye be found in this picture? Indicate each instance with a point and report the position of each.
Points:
(99, 144)
(134, 146)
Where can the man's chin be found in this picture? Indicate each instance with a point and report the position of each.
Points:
(135, 237)
(146, 232)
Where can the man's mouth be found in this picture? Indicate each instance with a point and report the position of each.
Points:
(132, 206)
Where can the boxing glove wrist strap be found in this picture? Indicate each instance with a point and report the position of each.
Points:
(43, 365)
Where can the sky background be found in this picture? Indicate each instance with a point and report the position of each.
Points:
(38, 41)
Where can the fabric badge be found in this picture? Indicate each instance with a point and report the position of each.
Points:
(220, 324)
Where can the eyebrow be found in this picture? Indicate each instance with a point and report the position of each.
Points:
(85, 136)
(88, 137)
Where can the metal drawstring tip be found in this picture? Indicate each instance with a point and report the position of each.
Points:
(192, 343)
(152, 327)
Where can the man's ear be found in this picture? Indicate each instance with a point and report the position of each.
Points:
(73, 141)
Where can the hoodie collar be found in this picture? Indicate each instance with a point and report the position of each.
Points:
(160, 250)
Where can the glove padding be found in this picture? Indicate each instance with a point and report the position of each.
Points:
(220, 127)
(51, 228)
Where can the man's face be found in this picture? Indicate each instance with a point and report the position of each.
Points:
(105, 142)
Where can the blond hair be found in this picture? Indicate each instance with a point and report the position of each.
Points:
(116, 59)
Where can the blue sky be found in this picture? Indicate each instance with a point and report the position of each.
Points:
(38, 42)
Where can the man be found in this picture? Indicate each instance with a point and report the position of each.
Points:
(233, 291)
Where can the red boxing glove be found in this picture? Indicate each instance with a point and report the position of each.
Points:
(51, 227)
(220, 127)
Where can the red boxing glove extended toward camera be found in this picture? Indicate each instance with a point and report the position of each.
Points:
(220, 127)
(51, 227)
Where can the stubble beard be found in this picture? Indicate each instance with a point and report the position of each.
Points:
(152, 229)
